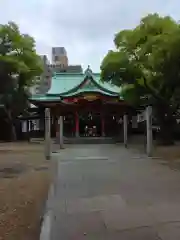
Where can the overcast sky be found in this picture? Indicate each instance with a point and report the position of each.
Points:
(84, 27)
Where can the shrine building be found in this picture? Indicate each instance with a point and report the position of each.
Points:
(88, 106)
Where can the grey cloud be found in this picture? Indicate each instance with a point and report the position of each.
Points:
(86, 28)
(97, 19)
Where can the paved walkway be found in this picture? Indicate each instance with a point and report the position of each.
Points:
(105, 192)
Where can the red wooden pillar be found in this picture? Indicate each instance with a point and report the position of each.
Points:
(102, 126)
(76, 124)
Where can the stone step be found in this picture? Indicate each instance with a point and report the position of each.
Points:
(79, 140)
(36, 140)
(89, 140)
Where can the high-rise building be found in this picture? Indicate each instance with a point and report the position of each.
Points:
(59, 65)
(60, 62)
(59, 56)
(45, 78)
(59, 68)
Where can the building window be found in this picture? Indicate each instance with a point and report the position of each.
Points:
(53, 50)
(56, 58)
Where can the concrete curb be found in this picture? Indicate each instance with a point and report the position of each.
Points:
(47, 218)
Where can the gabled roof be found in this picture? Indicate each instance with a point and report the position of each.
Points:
(65, 85)
(64, 82)
(90, 85)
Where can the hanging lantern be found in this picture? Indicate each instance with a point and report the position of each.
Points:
(120, 121)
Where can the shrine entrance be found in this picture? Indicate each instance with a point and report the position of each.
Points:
(90, 124)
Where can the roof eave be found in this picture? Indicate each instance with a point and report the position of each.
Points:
(75, 94)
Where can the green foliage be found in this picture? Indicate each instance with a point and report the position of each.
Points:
(148, 57)
(19, 66)
(146, 64)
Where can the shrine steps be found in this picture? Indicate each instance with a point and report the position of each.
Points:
(79, 140)
(89, 140)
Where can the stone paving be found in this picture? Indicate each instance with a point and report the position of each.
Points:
(106, 192)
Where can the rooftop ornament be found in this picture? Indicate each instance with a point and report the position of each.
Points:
(88, 71)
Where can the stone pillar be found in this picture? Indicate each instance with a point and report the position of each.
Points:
(134, 122)
(149, 145)
(102, 126)
(125, 123)
(47, 134)
(24, 129)
(61, 137)
(76, 124)
(57, 129)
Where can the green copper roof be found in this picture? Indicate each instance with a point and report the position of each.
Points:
(80, 92)
(106, 85)
(64, 82)
(44, 98)
(64, 85)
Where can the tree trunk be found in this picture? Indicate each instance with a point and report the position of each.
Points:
(167, 123)
(13, 132)
(12, 129)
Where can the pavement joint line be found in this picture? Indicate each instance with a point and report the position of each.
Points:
(46, 226)
(76, 188)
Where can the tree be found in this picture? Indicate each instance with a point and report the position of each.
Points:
(146, 64)
(19, 67)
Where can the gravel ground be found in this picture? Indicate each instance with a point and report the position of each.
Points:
(24, 180)
(166, 155)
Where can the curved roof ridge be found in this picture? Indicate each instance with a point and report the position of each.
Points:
(68, 83)
(67, 73)
(106, 86)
